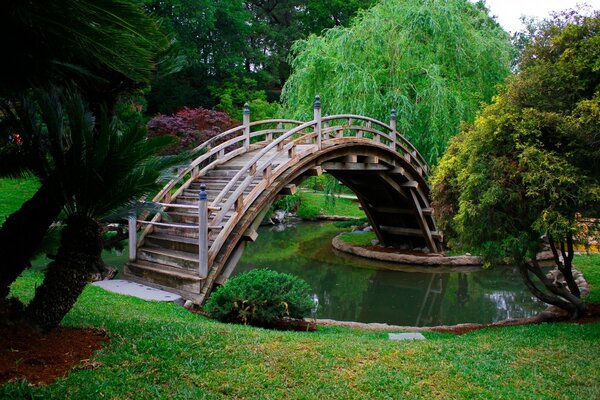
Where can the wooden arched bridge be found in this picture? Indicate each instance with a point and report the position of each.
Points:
(196, 241)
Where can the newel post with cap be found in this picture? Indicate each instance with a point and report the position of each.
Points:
(246, 123)
(203, 231)
(317, 118)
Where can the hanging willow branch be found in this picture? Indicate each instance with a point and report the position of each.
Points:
(434, 61)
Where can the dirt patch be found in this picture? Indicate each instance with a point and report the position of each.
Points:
(25, 354)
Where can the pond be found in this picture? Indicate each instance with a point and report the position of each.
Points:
(349, 288)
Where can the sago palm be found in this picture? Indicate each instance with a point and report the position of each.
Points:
(98, 170)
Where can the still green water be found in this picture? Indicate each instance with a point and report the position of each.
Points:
(349, 288)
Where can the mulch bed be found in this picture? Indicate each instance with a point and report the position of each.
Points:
(25, 354)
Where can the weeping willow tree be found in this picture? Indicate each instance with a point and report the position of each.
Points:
(435, 61)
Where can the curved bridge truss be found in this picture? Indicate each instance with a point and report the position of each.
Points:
(213, 207)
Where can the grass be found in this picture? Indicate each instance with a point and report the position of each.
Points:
(589, 265)
(358, 239)
(343, 206)
(160, 350)
(14, 193)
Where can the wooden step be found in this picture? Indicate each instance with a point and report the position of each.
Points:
(173, 258)
(185, 283)
(173, 242)
(192, 218)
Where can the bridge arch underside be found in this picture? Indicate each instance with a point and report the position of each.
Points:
(392, 193)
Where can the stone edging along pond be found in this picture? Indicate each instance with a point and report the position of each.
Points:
(425, 260)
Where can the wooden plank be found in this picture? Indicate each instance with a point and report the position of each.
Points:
(353, 166)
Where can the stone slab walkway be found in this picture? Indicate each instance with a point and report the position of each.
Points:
(138, 290)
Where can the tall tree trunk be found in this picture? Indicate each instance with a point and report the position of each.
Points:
(22, 233)
(78, 257)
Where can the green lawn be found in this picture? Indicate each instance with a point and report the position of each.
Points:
(160, 350)
(13, 193)
(342, 206)
(358, 239)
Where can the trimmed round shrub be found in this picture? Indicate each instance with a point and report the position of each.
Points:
(260, 297)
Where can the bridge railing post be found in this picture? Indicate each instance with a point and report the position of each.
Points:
(131, 231)
(393, 126)
(246, 123)
(317, 117)
(203, 231)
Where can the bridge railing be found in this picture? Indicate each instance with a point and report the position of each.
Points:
(214, 151)
(283, 135)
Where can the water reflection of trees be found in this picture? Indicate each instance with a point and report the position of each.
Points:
(345, 292)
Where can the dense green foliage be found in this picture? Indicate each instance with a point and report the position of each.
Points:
(531, 161)
(260, 297)
(161, 350)
(81, 41)
(236, 50)
(433, 61)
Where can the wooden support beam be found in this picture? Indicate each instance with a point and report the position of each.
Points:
(250, 235)
(423, 223)
(268, 172)
(398, 171)
(394, 210)
(394, 185)
(239, 204)
(372, 160)
(289, 189)
(354, 166)
(406, 231)
(231, 263)
(315, 171)
(410, 184)
(351, 158)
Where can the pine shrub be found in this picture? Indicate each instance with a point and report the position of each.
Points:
(260, 297)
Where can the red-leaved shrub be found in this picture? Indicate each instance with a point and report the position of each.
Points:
(191, 126)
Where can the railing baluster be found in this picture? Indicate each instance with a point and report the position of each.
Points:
(246, 124)
(317, 115)
(393, 126)
(203, 231)
(132, 228)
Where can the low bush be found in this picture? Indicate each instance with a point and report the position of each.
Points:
(260, 297)
(308, 209)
